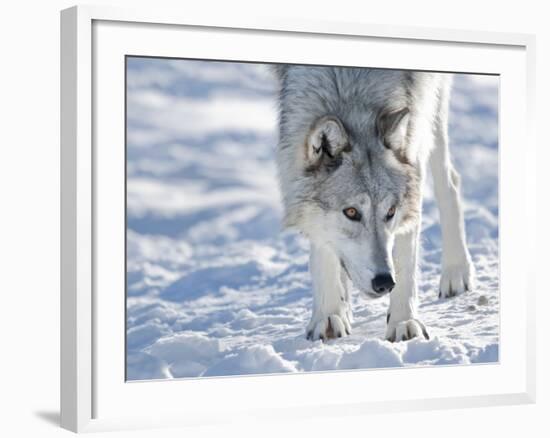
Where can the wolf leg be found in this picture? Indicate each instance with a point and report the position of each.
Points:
(331, 314)
(402, 321)
(457, 272)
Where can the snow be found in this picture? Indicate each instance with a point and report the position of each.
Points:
(215, 288)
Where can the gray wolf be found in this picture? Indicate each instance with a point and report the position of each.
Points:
(354, 147)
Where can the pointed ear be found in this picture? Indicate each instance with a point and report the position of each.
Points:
(392, 128)
(326, 140)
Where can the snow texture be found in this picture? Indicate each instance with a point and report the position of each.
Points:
(215, 288)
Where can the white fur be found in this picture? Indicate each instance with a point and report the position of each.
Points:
(397, 123)
(331, 306)
(457, 273)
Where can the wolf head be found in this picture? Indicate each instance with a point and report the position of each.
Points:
(347, 169)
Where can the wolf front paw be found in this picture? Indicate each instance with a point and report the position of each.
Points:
(406, 330)
(329, 327)
(456, 279)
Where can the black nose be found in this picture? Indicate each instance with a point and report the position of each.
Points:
(383, 283)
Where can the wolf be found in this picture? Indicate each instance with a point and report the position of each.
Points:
(354, 146)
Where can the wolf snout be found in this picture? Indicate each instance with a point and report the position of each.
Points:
(383, 283)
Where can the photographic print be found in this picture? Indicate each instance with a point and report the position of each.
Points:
(295, 218)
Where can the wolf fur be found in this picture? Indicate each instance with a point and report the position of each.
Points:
(354, 146)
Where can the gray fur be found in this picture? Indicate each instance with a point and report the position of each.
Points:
(361, 99)
(359, 139)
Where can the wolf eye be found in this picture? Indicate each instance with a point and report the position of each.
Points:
(391, 213)
(352, 214)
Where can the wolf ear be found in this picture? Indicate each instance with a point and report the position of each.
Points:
(392, 128)
(326, 141)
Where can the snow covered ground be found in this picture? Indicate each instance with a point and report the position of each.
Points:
(215, 288)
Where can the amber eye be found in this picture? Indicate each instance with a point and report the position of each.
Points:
(352, 214)
(391, 213)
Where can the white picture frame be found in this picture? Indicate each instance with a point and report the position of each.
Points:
(94, 397)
